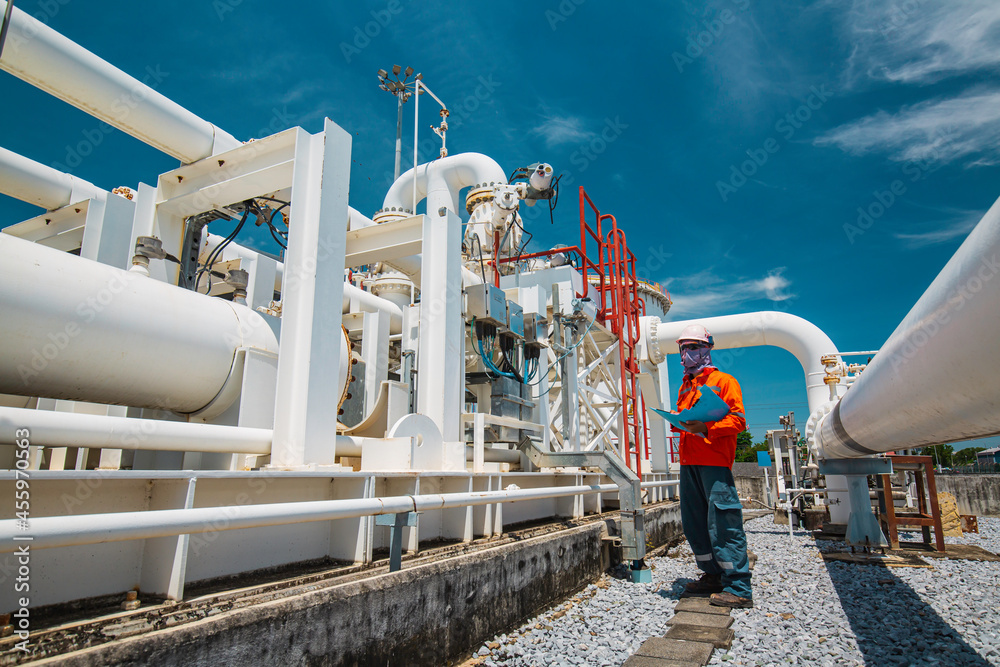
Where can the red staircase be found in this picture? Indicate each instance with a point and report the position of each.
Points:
(618, 308)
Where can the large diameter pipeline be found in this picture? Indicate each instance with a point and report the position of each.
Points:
(71, 328)
(41, 56)
(800, 337)
(937, 378)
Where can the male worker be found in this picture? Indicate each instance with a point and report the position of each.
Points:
(710, 507)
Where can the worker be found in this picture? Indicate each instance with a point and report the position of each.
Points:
(711, 512)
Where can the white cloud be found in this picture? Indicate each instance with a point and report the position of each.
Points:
(563, 130)
(705, 294)
(922, 41)
(941, 232)
(966, 127)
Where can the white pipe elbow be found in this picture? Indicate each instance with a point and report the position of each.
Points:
(451, 173)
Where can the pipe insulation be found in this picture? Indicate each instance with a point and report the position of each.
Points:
(69, 429)
(74, 329)
(42, 57)
(62, 531)
(38, 184)
(441, 181)
(800, 337)
(937, 377)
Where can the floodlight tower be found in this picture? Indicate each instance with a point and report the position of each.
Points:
(402, 89)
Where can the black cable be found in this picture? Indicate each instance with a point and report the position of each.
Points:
(482, 265)
(554, 199)
(279, 201)
(215, 254)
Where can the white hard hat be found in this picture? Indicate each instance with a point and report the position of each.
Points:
(695, 332)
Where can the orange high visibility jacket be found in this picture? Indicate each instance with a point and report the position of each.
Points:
(718, 448)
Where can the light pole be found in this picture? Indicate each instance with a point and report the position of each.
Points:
(402, 89)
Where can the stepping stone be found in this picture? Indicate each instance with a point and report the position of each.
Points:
(677, 650)
(703, 620)
(701, 606)
(647, 661)
(718, 637)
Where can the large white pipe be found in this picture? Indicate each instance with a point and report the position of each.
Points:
(41, 56)
(63, 531)
(74, 329)
(441, 180)
(35, 183)
(937, 378)
(69, 429)
(800, 337)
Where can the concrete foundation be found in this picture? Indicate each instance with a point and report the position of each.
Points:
(429, 614)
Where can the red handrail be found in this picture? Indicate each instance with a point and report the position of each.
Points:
(619, 308)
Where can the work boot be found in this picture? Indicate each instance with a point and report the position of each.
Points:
(708, 584)
(727, 599)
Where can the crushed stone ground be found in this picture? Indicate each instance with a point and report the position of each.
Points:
(807, 611)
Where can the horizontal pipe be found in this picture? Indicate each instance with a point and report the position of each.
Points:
(937, 378)
(800, 337)
(76, 329)
(69, 429)
(48, 60)
(35, 183)
(64, 531)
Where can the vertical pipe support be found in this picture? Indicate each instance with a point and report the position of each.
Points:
(305, 425)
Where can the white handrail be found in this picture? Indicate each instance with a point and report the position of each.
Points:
(64, 531)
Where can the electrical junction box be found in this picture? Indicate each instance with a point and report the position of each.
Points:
(536, 330)
(487, 303)
(515, 319)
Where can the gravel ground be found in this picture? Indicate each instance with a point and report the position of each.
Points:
(806, 611)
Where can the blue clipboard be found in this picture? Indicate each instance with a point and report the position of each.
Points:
(709, 408)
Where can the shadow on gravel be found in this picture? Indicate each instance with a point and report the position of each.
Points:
(890, 622)
(675, 590)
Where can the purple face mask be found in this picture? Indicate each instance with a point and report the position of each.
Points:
(695, 361)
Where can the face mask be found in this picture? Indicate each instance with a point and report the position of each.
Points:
(695, 361)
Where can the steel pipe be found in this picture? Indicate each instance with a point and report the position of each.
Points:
(800, 337)
(937, 378)
(70, 429)
(48, 60)
(32, 182)
(441, 180)
(64, 531)
(79, 330)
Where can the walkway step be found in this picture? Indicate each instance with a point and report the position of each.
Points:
(635, 660)
(700, 606)
(703, 620)
(677, 650)
(718, 637)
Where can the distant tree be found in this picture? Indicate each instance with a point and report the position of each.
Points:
(943, 455)
(746, 449)
(967, 456)
(744, 440)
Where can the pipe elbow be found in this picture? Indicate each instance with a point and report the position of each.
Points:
(455, 171)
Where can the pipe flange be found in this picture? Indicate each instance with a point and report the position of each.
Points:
(350, 370)
(656, 355)
(813, 424)
(391, 214)
(392, 284)
(479, 194)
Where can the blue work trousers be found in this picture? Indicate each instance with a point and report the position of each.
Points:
(713, 524)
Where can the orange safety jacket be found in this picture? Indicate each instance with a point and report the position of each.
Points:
(718, 447)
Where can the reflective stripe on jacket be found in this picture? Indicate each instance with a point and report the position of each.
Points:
(718, 448)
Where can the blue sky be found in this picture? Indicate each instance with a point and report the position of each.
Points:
(736, 138)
